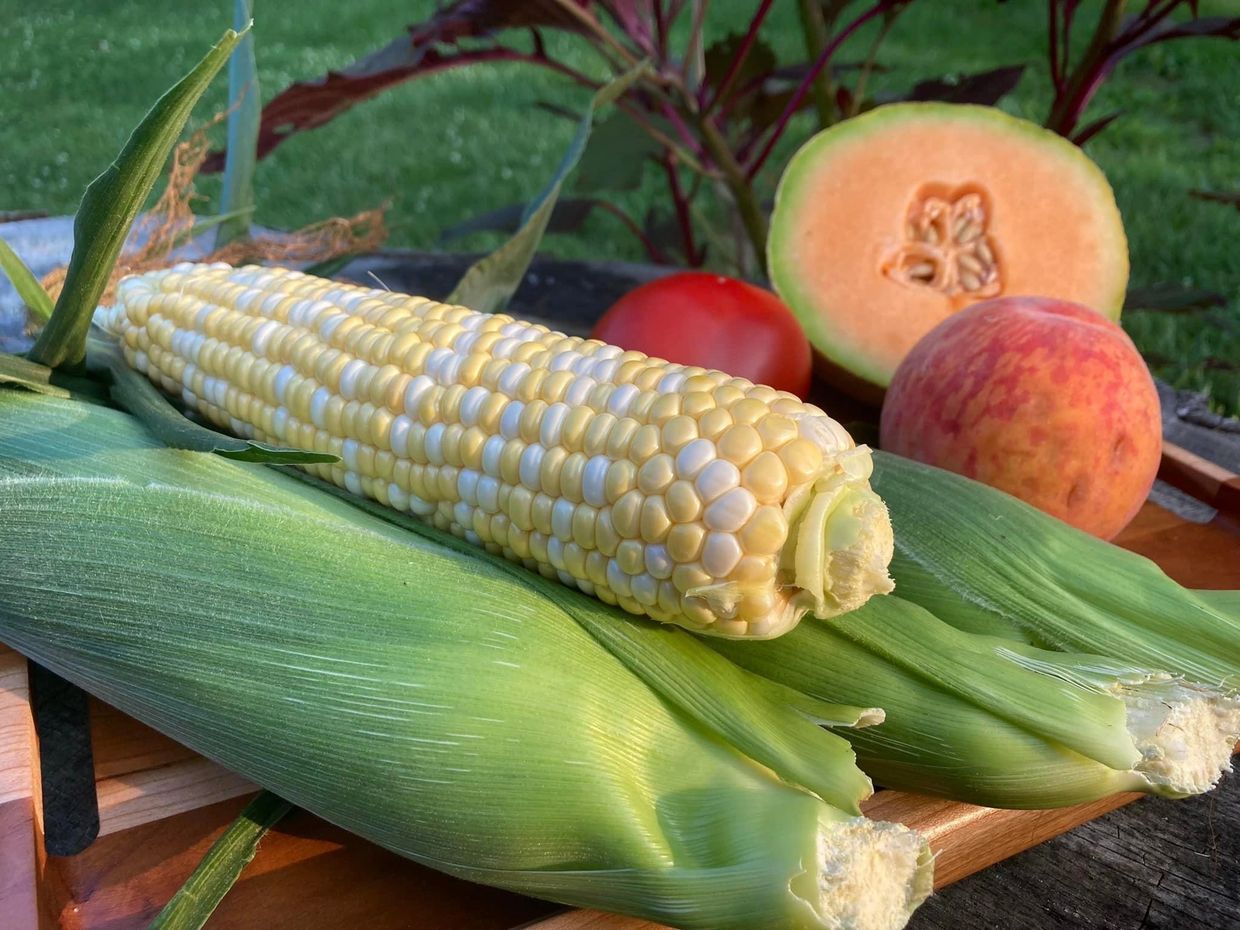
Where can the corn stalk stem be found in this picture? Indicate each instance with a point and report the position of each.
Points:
(817, 33)
(683, 217)
(863, 79)
(750, 212)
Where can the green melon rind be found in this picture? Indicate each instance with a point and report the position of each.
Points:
(814, 156)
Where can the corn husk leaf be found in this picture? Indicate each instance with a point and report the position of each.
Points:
(973, 717)
(237, 191)
(996, 722)
(110, 205)
(490, 282)
(195, 901)
(25, 283)
(979, 557)
(432, 701)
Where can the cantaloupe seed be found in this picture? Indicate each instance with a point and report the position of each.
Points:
(948, 248)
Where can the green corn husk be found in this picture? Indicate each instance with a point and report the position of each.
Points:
(988, 719)
(996, 722)
(987, 562)
(457, 710)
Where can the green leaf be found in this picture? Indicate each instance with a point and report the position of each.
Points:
(25, 283)
(191, 907)
(135, 393)
(617, 156)
(15, 370)
(110, 205)
(569, 216)
(492, 280)
(237, 196)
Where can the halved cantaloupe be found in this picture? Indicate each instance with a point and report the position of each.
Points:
(886, 224)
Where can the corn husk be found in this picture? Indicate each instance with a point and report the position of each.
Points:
(456, 710)
(994, 721)
(987, 562)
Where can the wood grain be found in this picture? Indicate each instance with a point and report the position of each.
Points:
(141, 797)
(1208, 482)
(307, 874)
(123, 745)
(16, 728)
(1152, 865)
(19, 865)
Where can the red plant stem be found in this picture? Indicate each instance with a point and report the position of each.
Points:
(806, 82)
(1087, 76)
(1152, 14)
(660, 28)
(682, 128)
(1149, 20)
(653, 252)
(734, 66)
(681, 203)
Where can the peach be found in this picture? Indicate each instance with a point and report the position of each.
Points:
(1041, 398)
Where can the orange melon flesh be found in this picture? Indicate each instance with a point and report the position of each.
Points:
(852, 253)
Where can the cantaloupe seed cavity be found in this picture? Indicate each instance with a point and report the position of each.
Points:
(947, 245)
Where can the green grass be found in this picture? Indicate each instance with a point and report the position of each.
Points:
(451, 146)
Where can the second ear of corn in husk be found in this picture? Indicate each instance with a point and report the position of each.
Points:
(453, 708)
(989, 563)
(998, 722)
(676, 492)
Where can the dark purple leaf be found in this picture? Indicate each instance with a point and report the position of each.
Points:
(1219, 27)
(1172, 298)
(720, 55)
(428, 47)
(1227, 198)
(1081, 136)
(985, 87)
(467, 19)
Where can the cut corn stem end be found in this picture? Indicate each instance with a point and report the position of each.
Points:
(867, 875)
(840, 540)
(1185, 733)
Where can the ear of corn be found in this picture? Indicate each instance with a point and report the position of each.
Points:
(679, 493)
(442, 703)
(997, 722)
(988, 562)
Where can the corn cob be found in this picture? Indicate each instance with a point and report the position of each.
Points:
(679, 493)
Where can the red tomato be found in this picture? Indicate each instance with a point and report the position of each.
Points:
(697, 318)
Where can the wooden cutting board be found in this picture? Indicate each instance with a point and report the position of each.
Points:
(161, 806)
